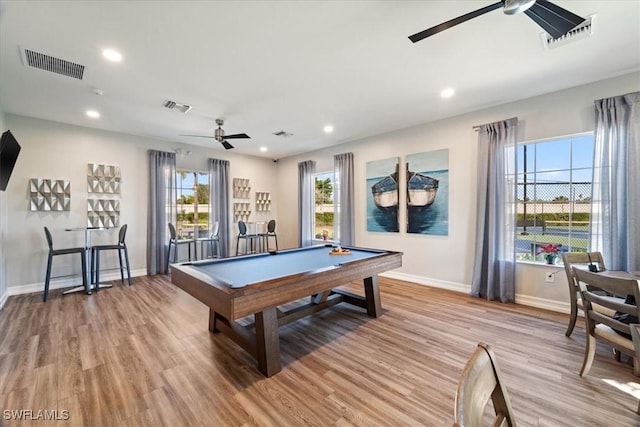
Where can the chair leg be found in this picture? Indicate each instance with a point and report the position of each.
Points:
(572, 319)
(589, 353)
(126, 258)
(217, 249)
(166, 266)
(97, 283)
(237, 245)
(86, 282)
(120, 263)
(47, 279)
(276, 237)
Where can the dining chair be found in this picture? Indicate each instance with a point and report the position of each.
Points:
(212, 239)
(249, 239)
(176, 243)
(591, 260)
(271, 232)
(604, 326)
(66, 251)
(480, 381)
(121, 247)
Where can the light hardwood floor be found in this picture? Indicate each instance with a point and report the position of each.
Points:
(142, 356)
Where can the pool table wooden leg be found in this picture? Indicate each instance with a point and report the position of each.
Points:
(267, 342)
(212, 321)
(372, 296)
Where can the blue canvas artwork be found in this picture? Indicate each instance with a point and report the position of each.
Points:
(427, 178)
(382, 195)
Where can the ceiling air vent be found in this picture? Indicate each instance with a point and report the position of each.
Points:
(283, 133)
(173, 105)
(580, 32)
(49, 63)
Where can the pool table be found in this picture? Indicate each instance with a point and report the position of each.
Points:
(258, 284)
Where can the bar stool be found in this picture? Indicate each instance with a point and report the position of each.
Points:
(271, 232)
(249, 239)
(53, 252)
(121, 247)
(175, 242)
(212, 239)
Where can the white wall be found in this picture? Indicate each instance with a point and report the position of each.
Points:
(3, 229)
(57, 151)
(447, 261)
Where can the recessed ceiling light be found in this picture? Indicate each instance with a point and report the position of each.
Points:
(112, 55)
(328, 129)
(93, 114)
(447, 93)
(263, 149)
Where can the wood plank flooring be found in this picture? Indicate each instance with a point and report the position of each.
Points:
(142, 356)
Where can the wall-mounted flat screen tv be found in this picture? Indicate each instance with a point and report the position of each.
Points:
(9, 149)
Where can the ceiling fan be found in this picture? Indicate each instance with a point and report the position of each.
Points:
(221, 137)
(553, 19)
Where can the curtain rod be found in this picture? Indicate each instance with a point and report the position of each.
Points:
(477, 127)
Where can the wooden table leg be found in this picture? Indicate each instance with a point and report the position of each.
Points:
(212, 321)
(267, 342)
(372, 296)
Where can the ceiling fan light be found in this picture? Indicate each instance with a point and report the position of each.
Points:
(513, 7)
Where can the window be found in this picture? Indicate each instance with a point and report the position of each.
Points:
(324, 212)
(192, 203)
(553, 195)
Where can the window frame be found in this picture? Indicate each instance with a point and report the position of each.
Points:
(570, 241)
(180, 192)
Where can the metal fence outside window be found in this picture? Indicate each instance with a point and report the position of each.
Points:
(552, 213)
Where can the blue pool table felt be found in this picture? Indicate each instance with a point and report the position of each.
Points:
(242, 271)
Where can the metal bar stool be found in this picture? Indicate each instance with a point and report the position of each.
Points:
(53, 252)
(121, 247)
(211, 240)
(175, 242)
(249, 239)
(271, 232)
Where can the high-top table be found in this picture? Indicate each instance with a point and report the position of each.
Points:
(87, 244)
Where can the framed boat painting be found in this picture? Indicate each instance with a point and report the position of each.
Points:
(428, 193)
(382, 195)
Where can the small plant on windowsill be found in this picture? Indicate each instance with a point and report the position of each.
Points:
(550, 252)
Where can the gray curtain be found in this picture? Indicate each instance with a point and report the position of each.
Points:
(306, 201)
(615, 207)
(219, 201)
(494, 266)
(162, 195)
(343, 180)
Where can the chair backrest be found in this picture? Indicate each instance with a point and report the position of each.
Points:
(242, 228)
(172, 232)
(271, 226)
(590, 283)
(480, 381)
(49, 239)
(215, 230)
(570, 259)
(122, 234)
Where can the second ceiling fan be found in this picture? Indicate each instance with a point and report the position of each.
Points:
(552, 18)
(221, 137)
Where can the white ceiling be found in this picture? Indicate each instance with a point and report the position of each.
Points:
(266, 66)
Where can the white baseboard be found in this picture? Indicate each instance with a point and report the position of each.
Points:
(552, 305)
(557, 306)
(68, 282)
(427, 281)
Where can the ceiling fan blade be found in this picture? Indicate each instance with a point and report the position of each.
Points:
(459, 20)
(553, 19)
(200, 136)
(226, 145)
(237, 136)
